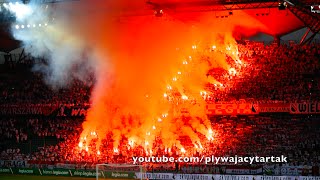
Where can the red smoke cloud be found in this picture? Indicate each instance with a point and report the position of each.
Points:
(150, 71)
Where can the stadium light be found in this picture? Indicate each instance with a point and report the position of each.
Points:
(22, 26)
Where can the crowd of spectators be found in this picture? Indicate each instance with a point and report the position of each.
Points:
(296, 137)
(272, 73)
(283, 73)
(30, 88)
(266, 72)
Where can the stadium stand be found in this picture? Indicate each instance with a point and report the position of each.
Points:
(288, 74)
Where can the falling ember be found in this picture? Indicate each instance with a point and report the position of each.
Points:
(131, 143)
(87, 149)
(98, 153)
(93, 133)
(184, 97)
(232, 71)
(203, 93)
(200, 146)
(165, 115)
(183, 150)
(115, 150)
(80, 144)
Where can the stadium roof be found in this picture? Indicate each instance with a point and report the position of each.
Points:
(272, 21)
(8, 43)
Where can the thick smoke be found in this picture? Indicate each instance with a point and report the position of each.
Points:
(149, 71)
(45, 37)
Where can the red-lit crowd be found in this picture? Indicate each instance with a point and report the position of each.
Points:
(287, 73)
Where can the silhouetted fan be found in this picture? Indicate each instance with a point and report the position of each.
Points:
(253, 109)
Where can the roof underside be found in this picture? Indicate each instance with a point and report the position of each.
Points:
(245, 22)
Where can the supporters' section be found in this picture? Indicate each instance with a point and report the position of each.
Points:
(271, 110)
(178, 93)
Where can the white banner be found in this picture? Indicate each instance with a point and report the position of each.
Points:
(288, 170)
(172, 176)
(13, 163)
(155, 176)
(244, 171)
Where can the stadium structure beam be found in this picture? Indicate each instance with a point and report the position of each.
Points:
(215, 5)
(304, 36)
(309, 40)
(211, 6)
(303, 12)
(22, 56)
